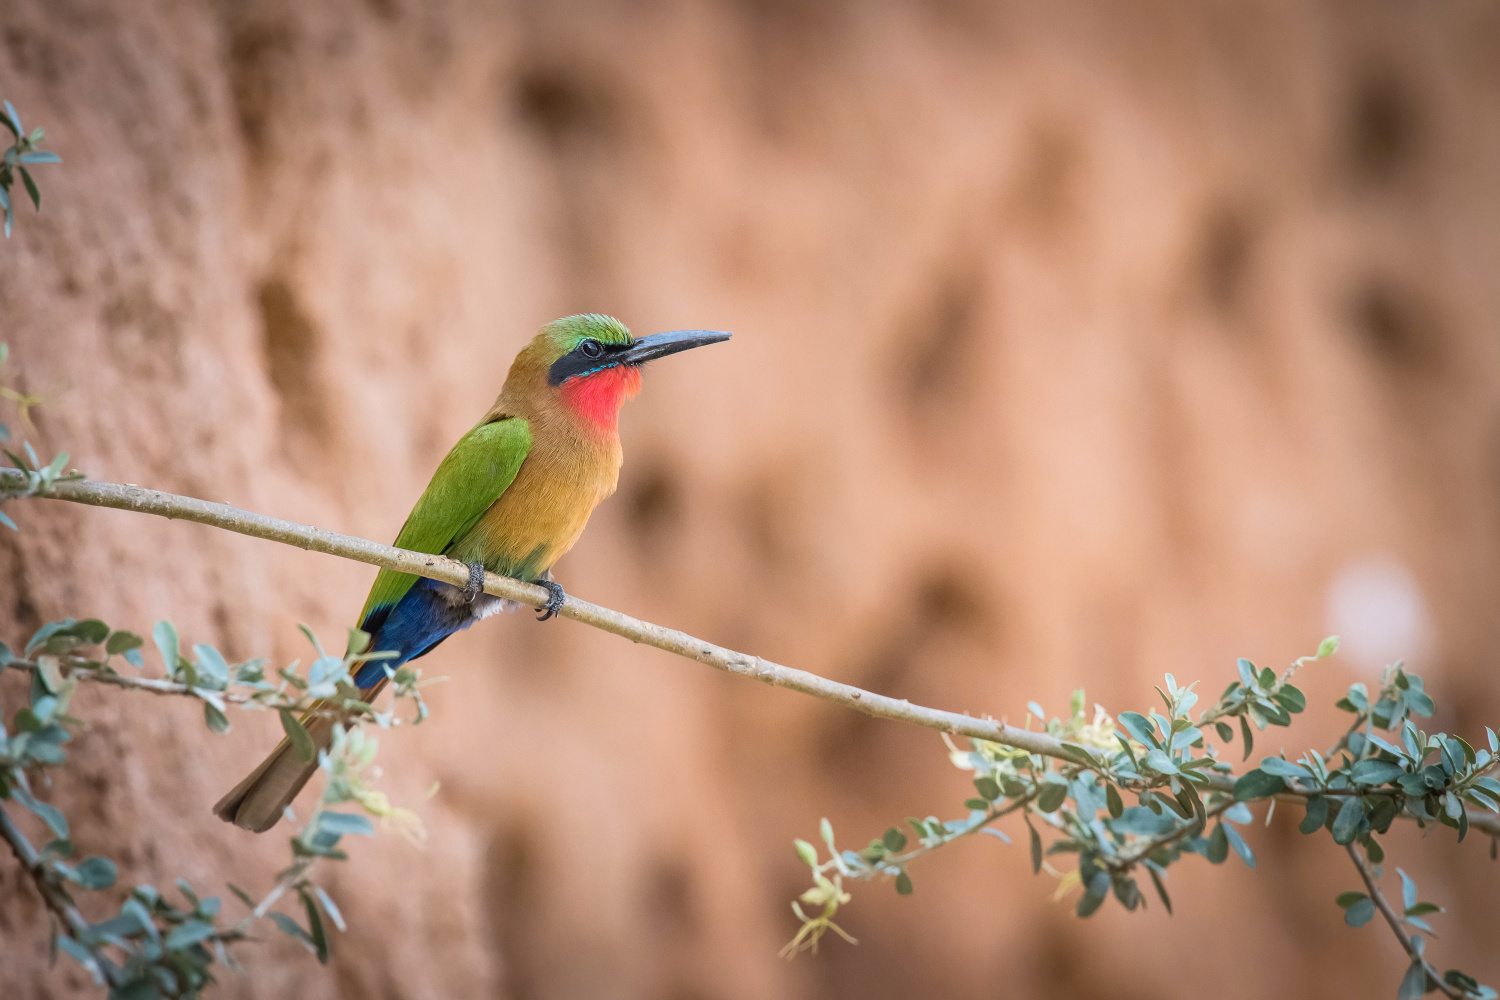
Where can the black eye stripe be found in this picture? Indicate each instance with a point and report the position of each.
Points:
(585, 359)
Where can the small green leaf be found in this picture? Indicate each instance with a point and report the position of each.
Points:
(187, 934)
(1112, 800)
(1158, 761)
(893, 839)
(1328, 647)
(216, 720)
(903, 884)
(330, 908)
(1348, 899)
(1161, 889)
(315, 926)
(1238, 845)
(1225, 731)
(91, 631)
(82, 956)
(210, 663)
(293, 930)
(359, 641)
(165, 635)
(1358, 913)
(1414, 983)
(1089, 903)
(31, 189)
(345, 823)
(1257, 784)
(1248, 737)
(1375, 772)
(120, 640)
(1346, 823)
(987, 788)
(1317, 814)
(1284, 768)
(1419, 702)
(1139, 727)
(1218, 845)
(1291, 699)
(97, 873)
(1247, 672)
(1052, 796)
(301, 739)
(1408, 890)
(51, 815)
(1036, 847)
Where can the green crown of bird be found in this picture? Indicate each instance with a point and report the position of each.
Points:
(511, 497)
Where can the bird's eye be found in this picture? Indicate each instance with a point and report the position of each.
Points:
(591, 349)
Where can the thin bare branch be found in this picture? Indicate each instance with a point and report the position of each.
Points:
(52, 894)
(437, 567)
(1391, 917)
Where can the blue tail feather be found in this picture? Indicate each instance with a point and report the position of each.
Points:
(427, 614)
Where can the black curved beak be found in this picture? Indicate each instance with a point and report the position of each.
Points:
(659, 345)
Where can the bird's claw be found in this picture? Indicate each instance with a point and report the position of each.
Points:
(554, 601)
(475, 586)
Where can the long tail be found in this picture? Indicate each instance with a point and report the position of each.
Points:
(256, 803)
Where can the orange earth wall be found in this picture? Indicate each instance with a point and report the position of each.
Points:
(1075, 344)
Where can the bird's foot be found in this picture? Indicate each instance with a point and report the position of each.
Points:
(554, 602)
(475, 586)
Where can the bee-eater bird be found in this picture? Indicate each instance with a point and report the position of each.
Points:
(511, 497)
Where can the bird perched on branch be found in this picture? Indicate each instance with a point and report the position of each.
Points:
(511, 497)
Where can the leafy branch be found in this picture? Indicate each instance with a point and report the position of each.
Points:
(1070, 777)
(1175, 770)
(1421, 977)
(24, 151)
(152, 947)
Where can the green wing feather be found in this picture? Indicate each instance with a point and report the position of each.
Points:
(470, 478)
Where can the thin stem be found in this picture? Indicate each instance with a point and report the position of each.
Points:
(53, 895)
(1391, 917)
(438, 567)
(441, 568)
(287, 881)
(88, 670)
(900, 860)
(1170, 837)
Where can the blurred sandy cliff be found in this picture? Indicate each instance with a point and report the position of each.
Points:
(1075, 343)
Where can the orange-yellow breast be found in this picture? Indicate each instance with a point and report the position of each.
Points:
(543, 512)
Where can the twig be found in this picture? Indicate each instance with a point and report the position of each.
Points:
(900, 860)
(285, 882)
(1391, 917)
(441, 568)
(437, 567)
(1193, 825)
(55, 898)
(85, 669)
(153, 685)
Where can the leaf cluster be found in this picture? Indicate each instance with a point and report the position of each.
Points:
(25, 151)
(151, 947)
(1187, 800)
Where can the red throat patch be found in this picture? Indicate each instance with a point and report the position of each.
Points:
(597, 397)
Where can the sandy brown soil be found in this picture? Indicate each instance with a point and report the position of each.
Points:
(1076, 343)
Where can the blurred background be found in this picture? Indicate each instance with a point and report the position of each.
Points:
(1075, 343)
